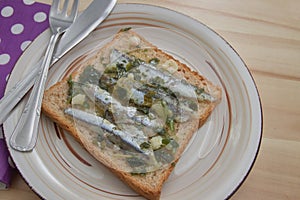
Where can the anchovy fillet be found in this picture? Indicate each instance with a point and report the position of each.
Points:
(99, 95)
(177, 86)
(104, 124)
(150, 72)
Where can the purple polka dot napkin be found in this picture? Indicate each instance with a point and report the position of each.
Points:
(21, 21)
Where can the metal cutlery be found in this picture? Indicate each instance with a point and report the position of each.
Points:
(86, 22)
(25, 134)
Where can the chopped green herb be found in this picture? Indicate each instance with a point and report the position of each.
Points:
(145, 145)
(154, 61)
(125, 29)
(129, 66)
(70, 91)
(166, 141)
(199, 90)
(162, 132)
(173, 164)
(171, 124)
(138, 173)
(137, 62)
(157, 81)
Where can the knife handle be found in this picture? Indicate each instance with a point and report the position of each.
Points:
(12, 98)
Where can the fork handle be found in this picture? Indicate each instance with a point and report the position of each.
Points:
(24, 136)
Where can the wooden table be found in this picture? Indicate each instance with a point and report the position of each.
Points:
(266, 34)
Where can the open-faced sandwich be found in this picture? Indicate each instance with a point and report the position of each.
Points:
(134, 108)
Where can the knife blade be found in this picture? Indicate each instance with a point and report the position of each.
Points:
(87, 21)
(78, 32)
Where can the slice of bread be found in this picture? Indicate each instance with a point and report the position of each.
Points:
(56, 99)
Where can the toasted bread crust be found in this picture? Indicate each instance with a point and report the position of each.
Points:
(150, 184)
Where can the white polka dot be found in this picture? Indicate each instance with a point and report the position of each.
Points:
(25, 44)
(7, 11)
(17, 29)
(40, 17)
(4, 59)
(28, 2)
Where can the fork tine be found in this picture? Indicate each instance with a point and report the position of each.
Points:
(74, 9)
(65, 7)
(54, 6)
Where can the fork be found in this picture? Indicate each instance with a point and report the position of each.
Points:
(25, 134)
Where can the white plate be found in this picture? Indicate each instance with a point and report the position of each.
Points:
(218, 158)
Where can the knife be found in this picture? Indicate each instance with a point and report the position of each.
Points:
(87, 21)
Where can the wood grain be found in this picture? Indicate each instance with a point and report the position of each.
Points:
(266, 34)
